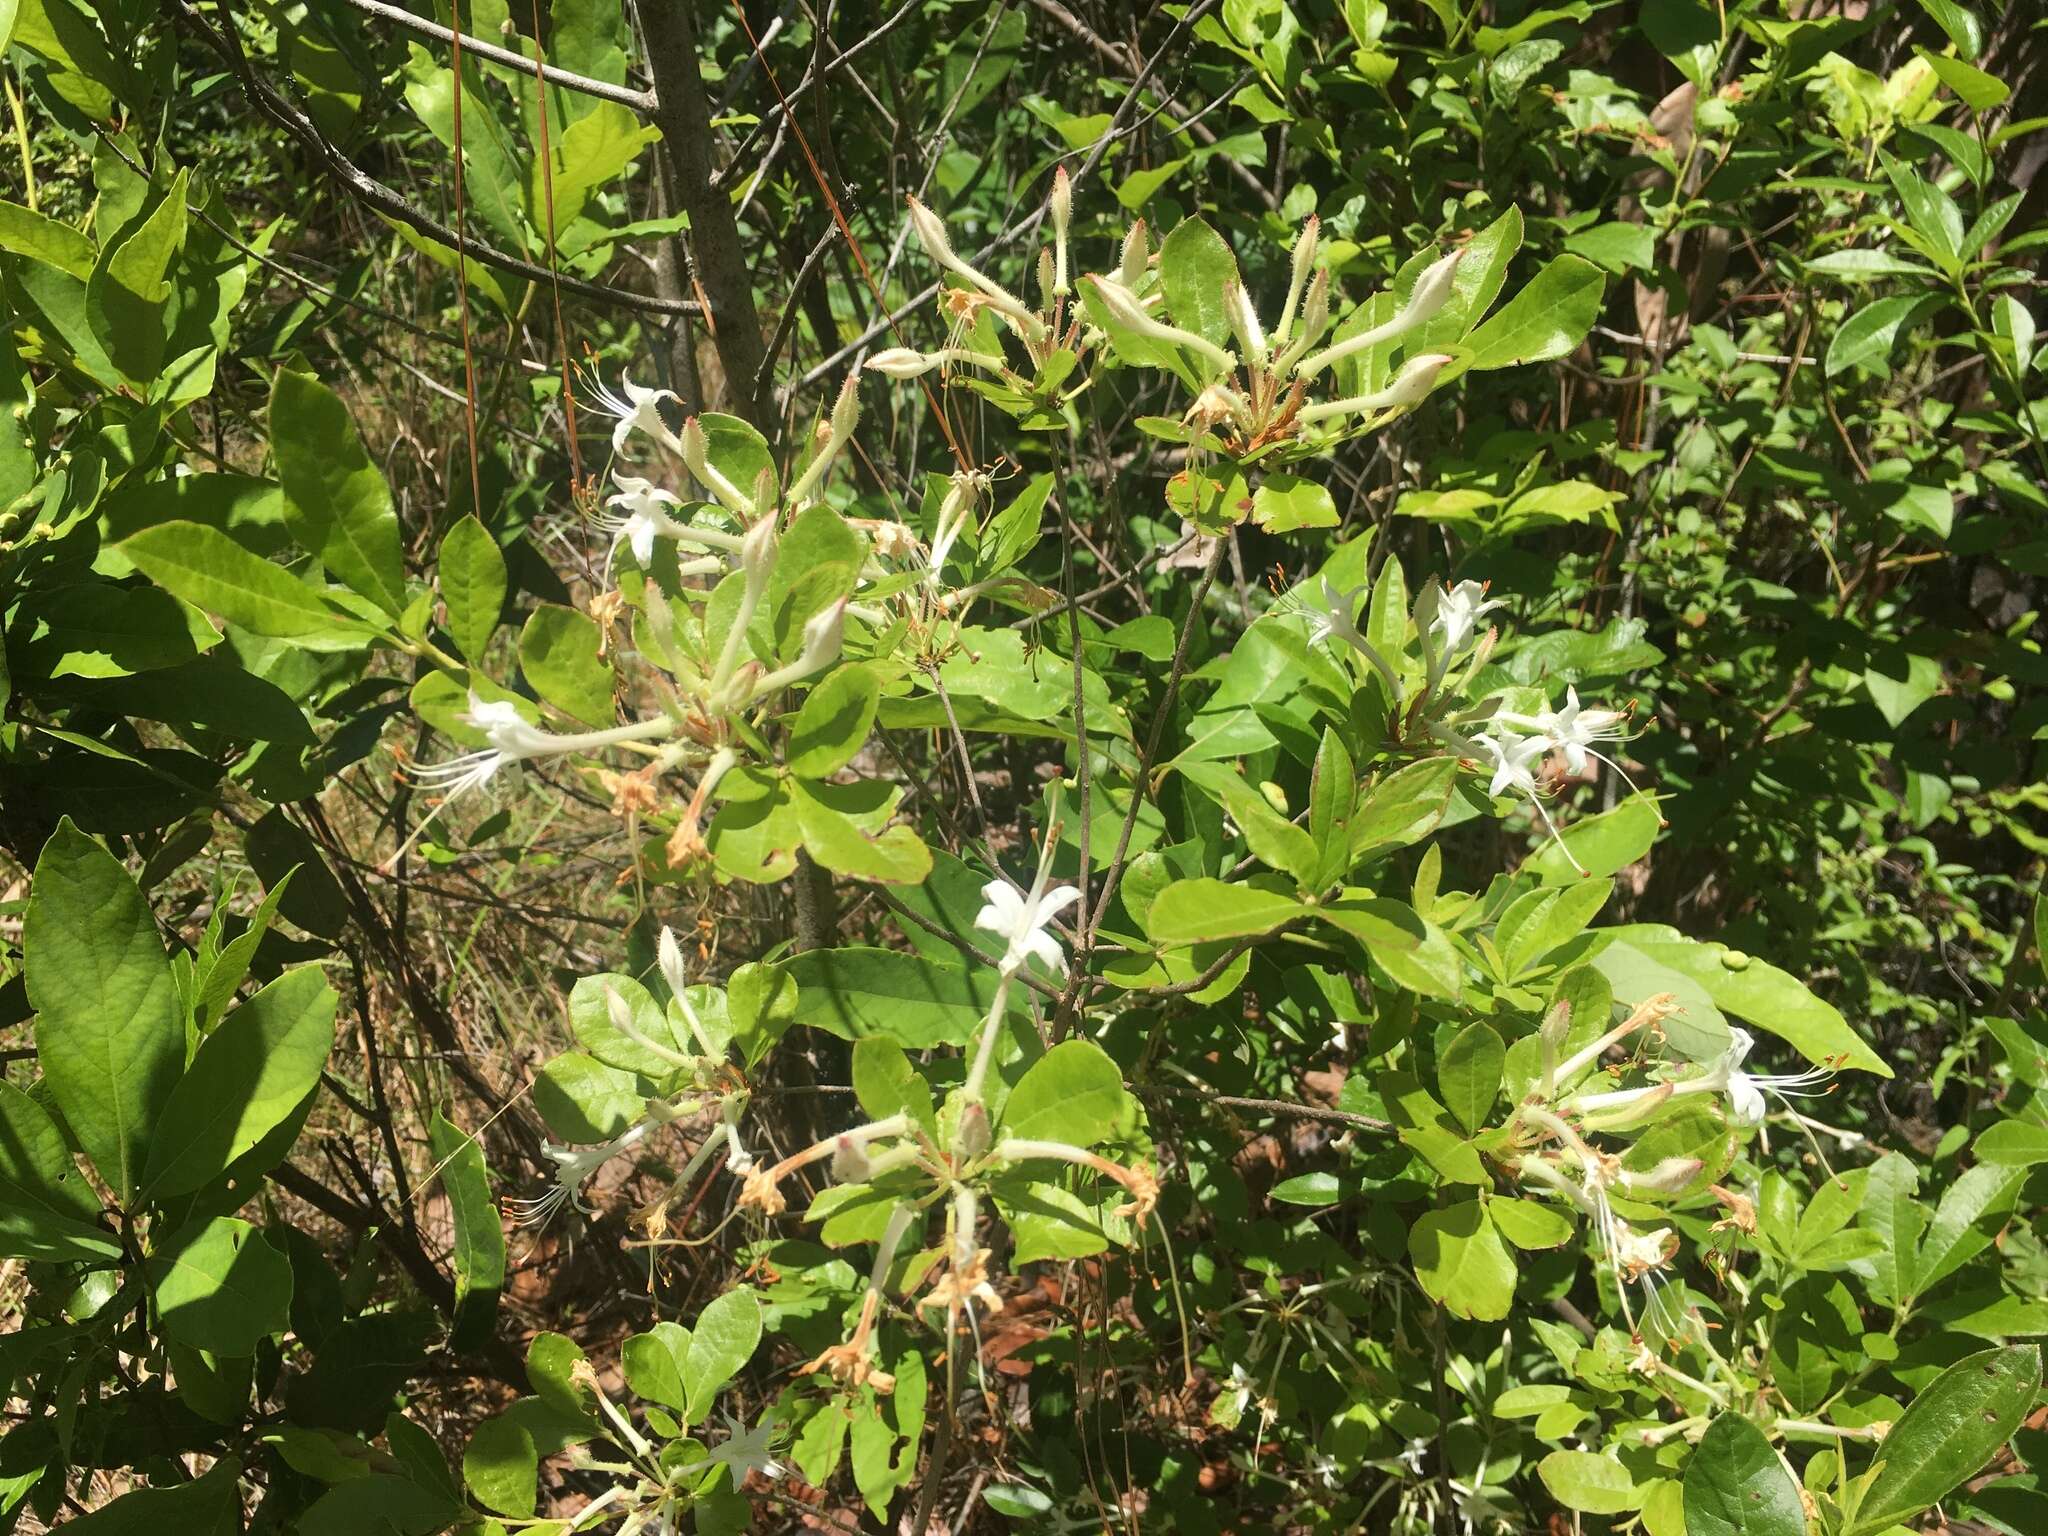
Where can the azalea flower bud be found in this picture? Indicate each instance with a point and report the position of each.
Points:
(1061, 206)
(1137, 256)
(1304, 263)
(1244, 320)
(1410, 386)
(1432, 290)
(670, 956)
(757, 552)
(1046, 277)
(1125, 308)
(823, 637)
(931, 233)
(846, 409)
(973, 1136)
(902, 363)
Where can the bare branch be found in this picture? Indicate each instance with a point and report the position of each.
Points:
(624, 95)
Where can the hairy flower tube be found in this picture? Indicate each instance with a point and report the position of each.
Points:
(510, 738)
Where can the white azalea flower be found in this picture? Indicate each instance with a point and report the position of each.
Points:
(1458, 614)
(1336, 617)
(1020, 920)
(1411, 1456)
(637, 409)
(748, 1450)
(573, 1168)
(1513, 759)
(1577, 731)
(644, 517)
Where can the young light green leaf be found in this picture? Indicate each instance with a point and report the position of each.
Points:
(561, 653)
(833, 724)
(1461, 1261)
(721, 1343)
(1469, 1071)
(1589, 1482)
(1073, 1093)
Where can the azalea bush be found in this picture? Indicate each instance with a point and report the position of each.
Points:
(1265, 769)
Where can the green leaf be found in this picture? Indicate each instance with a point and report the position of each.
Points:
(1547, 319)
(47, 1211)
(98, 630)
(1073, 1093)
(1604, 844)
(720, 1344)
(654, 1364)
(1758, 993)
(1588, 1481)
(1736, 1486)
(1897, 697)
(1474, 286)
(1284, 503)
(1461, 1261)
(1618, 247)
(887, 1084)
(1403, 807)
(1194, 911)
(221, 1287)
(336, 501)
(1948, 1432)
(857, 992)
(1050, 1221)
(1544, 919)
(1469, 1072)
(207, 1506)
(833, 724)
(1530, 1224)
(1194, 265)
(559, 651)
(127, 294)
(1273, 839)
(584, 1101)
(1973, 87)
(109, 1031)
(248, 1075)
(838, 823)
(473, 585)
(1959, 22)
(211, 571)
(1969, 1215)
(478, 1254)
(1865, 339)
(590, 1020)
(2016, 1143)
(1415, 952)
